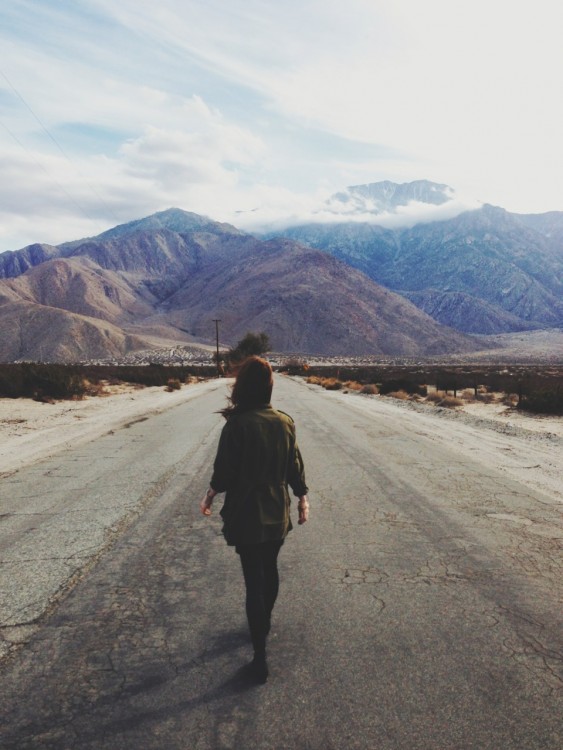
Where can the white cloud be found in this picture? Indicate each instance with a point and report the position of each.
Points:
(286, 210)
(190, 168)
(468, 92)
(175, 159)
(211, 106)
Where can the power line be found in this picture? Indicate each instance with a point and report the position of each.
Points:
(58, 145)
(53, 180)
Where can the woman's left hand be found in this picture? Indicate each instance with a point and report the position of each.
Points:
(207, 502)
(303, 508)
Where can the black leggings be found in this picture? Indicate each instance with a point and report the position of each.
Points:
(260, 569)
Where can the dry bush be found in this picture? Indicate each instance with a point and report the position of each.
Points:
(435, 397)
(42, 398)
(440, 398)
(468, 394)
(401, 395)
(450, 402)
(549, 401)
(295, 366)
(173, 384)
(402, 384)
(486, 395)
(488, 398)
(97, 389)
(353, 385)
(370, 388)
(41, 382)
(314, 380)
(510, 399)
(332, 384)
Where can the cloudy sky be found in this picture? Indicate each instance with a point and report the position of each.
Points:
(252, 110)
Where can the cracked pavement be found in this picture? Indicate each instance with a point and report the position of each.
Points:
(420, 608)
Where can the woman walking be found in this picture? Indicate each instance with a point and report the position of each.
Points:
(256, 460)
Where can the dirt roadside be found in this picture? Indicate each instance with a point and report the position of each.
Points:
(31, 431)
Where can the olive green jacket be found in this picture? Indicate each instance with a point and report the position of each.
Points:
(256, 459)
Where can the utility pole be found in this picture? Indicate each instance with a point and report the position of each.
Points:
(217, 341)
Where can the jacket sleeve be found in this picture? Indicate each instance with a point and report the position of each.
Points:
(227, 461)
(296, 475)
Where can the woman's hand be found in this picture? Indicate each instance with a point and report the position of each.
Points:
(303, 508)
(207, 502)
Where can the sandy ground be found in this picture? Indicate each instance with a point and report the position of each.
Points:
(528, 448)
(503, 415)
(31, 431)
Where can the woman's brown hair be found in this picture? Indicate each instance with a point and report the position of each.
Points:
(252, 387)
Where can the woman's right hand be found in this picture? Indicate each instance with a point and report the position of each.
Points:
(207, 502)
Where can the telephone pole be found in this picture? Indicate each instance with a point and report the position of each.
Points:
(216, 321)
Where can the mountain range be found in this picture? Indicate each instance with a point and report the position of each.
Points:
(484, 271)
(338, 288)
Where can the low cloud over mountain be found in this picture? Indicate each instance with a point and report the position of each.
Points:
(385, 204)
(483, 271)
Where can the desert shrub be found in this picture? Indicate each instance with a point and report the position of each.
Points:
(401, 395)
(48, 381)
(434, 397)
(56, 382)
(314, 380)
(521, 379)
(543, 402)
(145, 375)
(468, 394)
(173, 384)
(487, 398)
(96, 389)
(370, 388)
(332, 384)
(295, 366)
(450, 401)
(353, 385)
(440, 398)
(402, 384)
(41, 382)
(510, 399)
(11, 381)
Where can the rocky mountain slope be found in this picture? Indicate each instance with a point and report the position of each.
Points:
(484, 271)
(42, 333)
(174, 272)
(308, 302)
(550, 225)
(81, 286)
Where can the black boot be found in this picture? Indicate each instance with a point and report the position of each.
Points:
(259, 667)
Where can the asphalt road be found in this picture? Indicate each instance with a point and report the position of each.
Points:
(413, 613)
